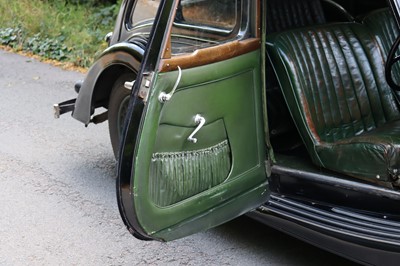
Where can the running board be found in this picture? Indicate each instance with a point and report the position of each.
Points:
(336, 221)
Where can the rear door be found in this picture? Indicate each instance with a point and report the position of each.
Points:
(193, 154)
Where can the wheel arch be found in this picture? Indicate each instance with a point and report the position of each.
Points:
(105, 82)
(96, 87)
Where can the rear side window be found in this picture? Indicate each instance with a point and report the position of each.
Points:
(142, 17)
(210, 13)
(204, 23)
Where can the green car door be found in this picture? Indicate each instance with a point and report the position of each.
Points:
(193, 154)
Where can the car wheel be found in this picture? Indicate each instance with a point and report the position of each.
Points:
(117, 109)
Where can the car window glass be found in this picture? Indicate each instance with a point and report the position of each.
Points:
(212, 13)
(204, 23)
(142, 17)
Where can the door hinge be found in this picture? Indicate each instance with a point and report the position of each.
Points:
(145, 86)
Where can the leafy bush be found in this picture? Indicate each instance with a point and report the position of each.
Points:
(66, 30)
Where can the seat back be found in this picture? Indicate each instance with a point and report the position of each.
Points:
(332, 77)
(289, 14)
(383, 26)
(283, 15)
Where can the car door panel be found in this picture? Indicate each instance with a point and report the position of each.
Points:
(169, 186)
(233, 130)
(224, 127)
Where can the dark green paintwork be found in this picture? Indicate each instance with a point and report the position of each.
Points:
(228, 91)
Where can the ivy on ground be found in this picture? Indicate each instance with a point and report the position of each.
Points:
(37, 44)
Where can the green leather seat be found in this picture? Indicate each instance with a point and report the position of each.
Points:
(283, 15)
(382, 25)
(290, 14)
(332, 77)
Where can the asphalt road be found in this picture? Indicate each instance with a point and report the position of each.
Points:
(57, 191)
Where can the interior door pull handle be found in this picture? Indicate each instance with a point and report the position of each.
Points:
(165, 97)
(200, 121)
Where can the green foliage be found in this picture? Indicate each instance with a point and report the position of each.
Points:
(11, 37)
(105, 15)
(65, 30)
(46, 47)
(91, 2)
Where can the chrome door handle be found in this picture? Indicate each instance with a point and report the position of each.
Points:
(129, 84)
(200, 121)
(165, 97)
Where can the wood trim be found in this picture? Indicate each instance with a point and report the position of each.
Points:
(210, 55)
(167, 46)
(167, 50)
(258, 20)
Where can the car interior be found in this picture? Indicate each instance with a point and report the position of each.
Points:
(330, 109)
(328, 103)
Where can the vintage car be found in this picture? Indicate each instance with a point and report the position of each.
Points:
(287, 110)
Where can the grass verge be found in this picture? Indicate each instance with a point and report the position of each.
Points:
(56, 30)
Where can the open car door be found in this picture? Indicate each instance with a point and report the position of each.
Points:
(193, 153)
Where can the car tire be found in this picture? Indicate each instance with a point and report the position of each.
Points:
(117, 109)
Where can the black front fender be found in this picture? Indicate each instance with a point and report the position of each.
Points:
(99, 80)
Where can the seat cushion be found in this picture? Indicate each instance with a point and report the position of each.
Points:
(374, 154)
(332, 77)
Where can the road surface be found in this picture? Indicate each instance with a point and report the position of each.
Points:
(58, 204)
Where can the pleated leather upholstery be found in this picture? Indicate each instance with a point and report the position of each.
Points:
(289, 14)
(382, 25)
(284, 15)
(333, 80)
